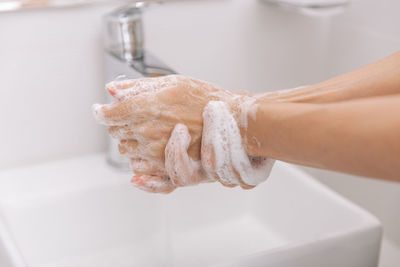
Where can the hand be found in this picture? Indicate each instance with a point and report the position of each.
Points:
(145, 114)
(143, 118)
(223, 154)
(223, 157)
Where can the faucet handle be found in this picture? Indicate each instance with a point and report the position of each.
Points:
(123, 31)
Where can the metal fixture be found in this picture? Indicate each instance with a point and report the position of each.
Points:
(126, 55)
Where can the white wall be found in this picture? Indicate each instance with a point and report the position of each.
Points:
(51, 72)
(51, 65)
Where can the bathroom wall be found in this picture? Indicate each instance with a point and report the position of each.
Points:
(51, 65)
(51, 72)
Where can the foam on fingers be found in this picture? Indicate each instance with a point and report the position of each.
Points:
(119, 84)
(182, 169)
(232, 165)
(217, 124)
(126, 89)
(98, 113)
(102, 115)
(145, 112)
(116, 114)
(153, 184)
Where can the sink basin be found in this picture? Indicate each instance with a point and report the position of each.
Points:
(82, 212)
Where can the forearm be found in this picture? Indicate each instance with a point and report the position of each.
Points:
(359, 137)
(376, 79)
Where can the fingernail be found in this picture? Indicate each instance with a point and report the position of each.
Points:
(111, 90)
(137, 180)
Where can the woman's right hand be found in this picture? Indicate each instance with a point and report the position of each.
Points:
(223, 156)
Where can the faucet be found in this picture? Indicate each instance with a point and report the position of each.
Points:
(125, 54)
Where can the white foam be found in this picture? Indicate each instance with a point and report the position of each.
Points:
(141, 86)
(98, 113)
(247, 108)
(181, 168)
(222, 132)
(217, 124)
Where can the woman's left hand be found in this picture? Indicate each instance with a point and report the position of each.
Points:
(144, 116)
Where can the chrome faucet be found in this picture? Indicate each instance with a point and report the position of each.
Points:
(126, 55)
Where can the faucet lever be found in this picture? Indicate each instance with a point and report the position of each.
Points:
(126, 55)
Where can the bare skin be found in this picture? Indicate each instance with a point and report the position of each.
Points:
(144, 119)
(350, 123)
(359, 136)
(377, 79)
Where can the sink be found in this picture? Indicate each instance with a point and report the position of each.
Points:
(82, 212)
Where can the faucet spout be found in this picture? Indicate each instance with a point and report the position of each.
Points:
(126, 55)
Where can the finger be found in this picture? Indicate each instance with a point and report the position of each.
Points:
(153, 184)
(182, 169)
(201, 84)
(146, 129)
(119, 113)
(261, 169)
(242, 92)
(208, 161)
(122, 132)
(223, 154)
(160, 81)
(128, 147)
(208, 155)
(251, 171)
(121, 84)
(216, 151)
(148, 167)
(148, 149)
(123, 90)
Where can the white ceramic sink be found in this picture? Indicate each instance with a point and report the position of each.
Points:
(81, 212)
